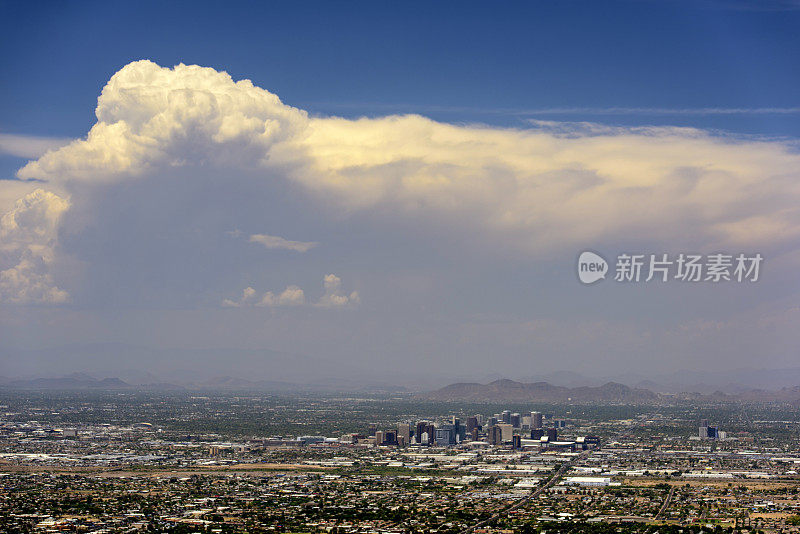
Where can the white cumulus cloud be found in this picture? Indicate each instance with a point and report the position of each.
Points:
(540, 187)
(333, 297)
(248, 296)
(291, 296)
(28, 239)
(148, 116)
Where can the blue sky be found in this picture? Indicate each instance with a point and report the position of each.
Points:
(375, 57)
(441, 241)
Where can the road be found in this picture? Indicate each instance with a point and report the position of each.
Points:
(666, 503)
(538, 491)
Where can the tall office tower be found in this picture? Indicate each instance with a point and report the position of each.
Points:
(506, 416)
(474, 434)
(536, 420)
(537, 433)
(515, 420)
(480, 418)
(517, 441)
(472, 424)
(431, 430)
(446, 435)
(703, 430)
(507, 431)
(373, 427)
(496, 435)
(379, 437)
(456, 422)
(460, 431)
(492, 421)
(552, 434)
(421, 426)
(390, 437)
(404, 433)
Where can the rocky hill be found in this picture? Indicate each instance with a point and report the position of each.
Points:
(511, 391)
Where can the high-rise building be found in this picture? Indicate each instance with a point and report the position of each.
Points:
(446, 435)
(472, 424)
(373, 427)
(706, 431)
(552, 434)
(506, 416)
(421, 426)
(507, 431)
(474, 434)
(390, 437)
(430, 429)
(496, 435)
(516, 441)
(536, 420)
(515, 421)
(379, 437)
(492, 421)
(459, 430)
(404, 433)
(537, 433)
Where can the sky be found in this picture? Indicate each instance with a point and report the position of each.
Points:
(396, 192)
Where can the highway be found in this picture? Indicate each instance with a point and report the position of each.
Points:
(666, 503)
(533, 495)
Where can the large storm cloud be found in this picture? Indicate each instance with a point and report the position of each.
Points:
(193, 191)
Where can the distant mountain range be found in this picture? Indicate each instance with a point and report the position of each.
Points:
(83, 381)
(503, 390)
(729, 381)
(78, 381)
(137, 365)
(785, 395)
(611, 393)
(511, 391)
